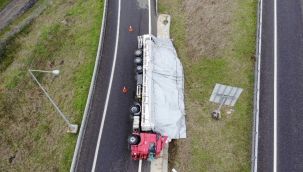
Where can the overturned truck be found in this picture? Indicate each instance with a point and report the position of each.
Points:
(158, 111)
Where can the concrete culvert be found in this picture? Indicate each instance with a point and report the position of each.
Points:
(216, 114)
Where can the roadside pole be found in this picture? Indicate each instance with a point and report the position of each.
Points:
(72, 128)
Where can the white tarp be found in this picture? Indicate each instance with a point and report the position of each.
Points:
(164, 88)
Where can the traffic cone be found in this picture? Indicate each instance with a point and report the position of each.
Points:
(130, 28)
(125, 90)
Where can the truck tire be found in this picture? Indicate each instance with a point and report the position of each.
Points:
(134, 109)
(139, 69)
(138, 60)
(134, 139)
(138, 53)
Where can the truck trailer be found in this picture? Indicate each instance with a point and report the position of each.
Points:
(158, 109)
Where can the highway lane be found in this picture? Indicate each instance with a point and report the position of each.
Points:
(87, 148)
(117, 125)
(104, 147)
(265, 150)
(289, 85)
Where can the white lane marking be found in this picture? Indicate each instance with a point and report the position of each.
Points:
(140, 166)
(108, 91)
(149, 17)
(258, 87)
(275, 87)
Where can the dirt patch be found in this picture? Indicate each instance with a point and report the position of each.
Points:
(208, 26)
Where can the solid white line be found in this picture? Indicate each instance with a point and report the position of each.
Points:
(140, 166)
(149, 18)
(108, 91)
(275, 87)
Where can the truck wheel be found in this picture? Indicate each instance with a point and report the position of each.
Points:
(138, 60)
(138, 52)
(134, 109)
(139, 69)
(134, 139)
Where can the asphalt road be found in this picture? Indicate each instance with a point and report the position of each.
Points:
(289, 140)
(110, 149)
(290, 86)
(265, 151)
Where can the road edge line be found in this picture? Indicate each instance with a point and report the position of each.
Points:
(275, 87)
(255, 132)
(109, 89)
(91, 90)
(140, 166)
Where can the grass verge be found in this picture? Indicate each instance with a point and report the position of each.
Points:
(32, 135)
(223, 145)
(3, 3)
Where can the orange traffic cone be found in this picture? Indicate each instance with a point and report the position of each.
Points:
(130, 28)
(125, 90)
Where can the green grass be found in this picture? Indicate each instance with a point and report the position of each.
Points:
(215, 145)
(3, 3)
(65, 36)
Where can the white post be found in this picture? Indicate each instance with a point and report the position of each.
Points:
(73, 128)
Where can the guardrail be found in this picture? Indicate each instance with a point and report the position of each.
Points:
(255, 131)
(91, 90)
